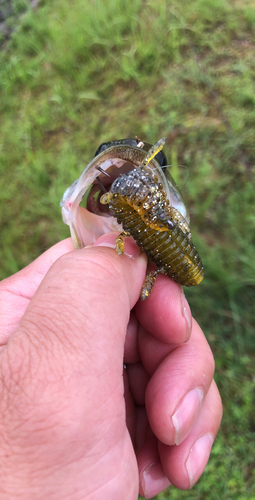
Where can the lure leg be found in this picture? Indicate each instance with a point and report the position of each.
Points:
(149, 283)
(119, 242)
(154, 150)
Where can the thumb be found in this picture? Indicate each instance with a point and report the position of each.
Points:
(74, 327)
(61, 382)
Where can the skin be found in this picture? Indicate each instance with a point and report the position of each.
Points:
(66, 431)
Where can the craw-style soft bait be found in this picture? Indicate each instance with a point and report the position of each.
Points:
(143, 201)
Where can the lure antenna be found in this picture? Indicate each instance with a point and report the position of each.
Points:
(153, 151)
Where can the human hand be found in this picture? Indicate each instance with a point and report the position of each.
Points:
(63, 433)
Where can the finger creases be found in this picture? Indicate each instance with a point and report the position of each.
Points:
(86, 292)
(160, 465)
(17, 290)
(166, 313)
(175, 393)
(61, 373)
(73, 330)
(184, 464)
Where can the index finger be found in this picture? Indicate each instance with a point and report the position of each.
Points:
(17, 290)
(166, 313)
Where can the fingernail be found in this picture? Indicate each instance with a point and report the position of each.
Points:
(186, 414)
(198, 457)
(153, 480)
(108, 240)
(186, 313)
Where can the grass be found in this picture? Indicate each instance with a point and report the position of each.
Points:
(75, 74)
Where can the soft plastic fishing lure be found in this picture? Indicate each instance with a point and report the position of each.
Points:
(145, 203)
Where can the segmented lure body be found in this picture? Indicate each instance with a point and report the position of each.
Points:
(144, 202)
(139, 203)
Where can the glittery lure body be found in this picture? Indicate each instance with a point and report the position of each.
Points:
(139, 203)
(143, 201)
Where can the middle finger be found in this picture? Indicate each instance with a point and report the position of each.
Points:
(178, 385)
